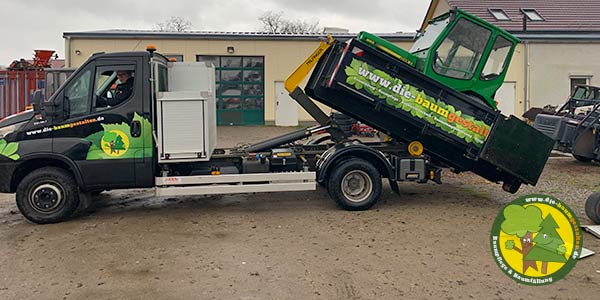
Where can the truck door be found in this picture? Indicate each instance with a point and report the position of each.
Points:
(105, 129)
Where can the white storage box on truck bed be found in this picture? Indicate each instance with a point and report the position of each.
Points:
(186, 128)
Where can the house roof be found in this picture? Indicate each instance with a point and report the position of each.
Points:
(222, 35)
(558, 15)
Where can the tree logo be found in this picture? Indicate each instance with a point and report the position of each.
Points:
(115, 143)
(536, 240)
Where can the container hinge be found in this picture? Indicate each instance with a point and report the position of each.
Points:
(425, 129)
(490, 118)
(440, 94)
(472, 153)
(377, 106)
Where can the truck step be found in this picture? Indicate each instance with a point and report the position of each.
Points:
(234, 184)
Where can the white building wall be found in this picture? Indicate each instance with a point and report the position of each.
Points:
(552, 65)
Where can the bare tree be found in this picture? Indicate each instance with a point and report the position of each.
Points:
(177, 24)
(274, 22)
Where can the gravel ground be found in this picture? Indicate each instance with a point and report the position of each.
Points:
(430, 242)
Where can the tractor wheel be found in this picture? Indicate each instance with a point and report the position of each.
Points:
(582, 158)
(592, 207)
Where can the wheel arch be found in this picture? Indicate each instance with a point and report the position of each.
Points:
(348, 151)
(33, 162)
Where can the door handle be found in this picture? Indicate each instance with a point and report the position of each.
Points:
(136, 129)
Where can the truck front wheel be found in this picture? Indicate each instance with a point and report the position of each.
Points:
(355, 184)
(47, 195)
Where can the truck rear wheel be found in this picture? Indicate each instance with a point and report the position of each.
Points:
(592, 207)
(355, 184)
(47, 195)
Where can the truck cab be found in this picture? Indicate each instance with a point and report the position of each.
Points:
(88, 135)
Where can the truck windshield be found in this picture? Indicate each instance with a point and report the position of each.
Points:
(585, 96)
(586, 93)
(426, 39)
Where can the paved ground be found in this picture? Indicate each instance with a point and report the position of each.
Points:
(429, 243)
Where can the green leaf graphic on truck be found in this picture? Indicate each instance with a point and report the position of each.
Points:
(408, 98)
(116, 142)
(9, 149)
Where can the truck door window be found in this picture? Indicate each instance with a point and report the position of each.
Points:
(113, 85)
(497, 59)
(77, 95)
(459, 54)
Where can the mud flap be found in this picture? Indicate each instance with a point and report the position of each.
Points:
(394, 186)
(86, 204)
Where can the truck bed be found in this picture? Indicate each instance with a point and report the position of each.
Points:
(456, 130)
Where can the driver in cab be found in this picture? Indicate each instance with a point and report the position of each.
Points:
(122, 92)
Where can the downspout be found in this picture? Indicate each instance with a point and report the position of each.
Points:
(526, 99)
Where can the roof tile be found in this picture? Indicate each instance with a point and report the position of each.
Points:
(559, 15)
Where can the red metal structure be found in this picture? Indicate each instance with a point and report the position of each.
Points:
(42, 58)
(17, 88)
(20, 81)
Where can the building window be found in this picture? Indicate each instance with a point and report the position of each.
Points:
(579, 80)
(532, 14)
(177, 57)
(240, 88)
(499, 14)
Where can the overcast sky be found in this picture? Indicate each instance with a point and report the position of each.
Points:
(39, 24)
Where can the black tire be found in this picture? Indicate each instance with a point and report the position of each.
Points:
(592, 207)
(47, 195)
(355, 184)
(582, 158)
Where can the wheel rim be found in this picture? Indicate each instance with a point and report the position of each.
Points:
(357, 186)
(46, 198)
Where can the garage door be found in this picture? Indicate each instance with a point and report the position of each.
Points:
(240, 88)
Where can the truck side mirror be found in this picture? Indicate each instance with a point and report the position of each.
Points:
(37, 102)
